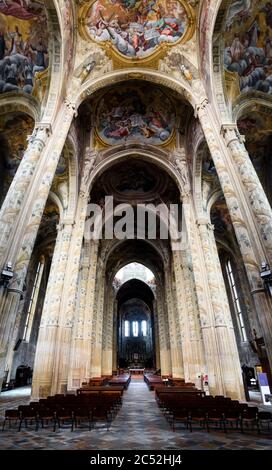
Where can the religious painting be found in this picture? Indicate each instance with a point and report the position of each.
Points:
(136, 28)
(220, 217)
(23, 44)
(135, 113)
(248, 44)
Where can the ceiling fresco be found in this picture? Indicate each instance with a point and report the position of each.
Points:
(23, 44)
(248, 44)
(135, 113)
(137, 28)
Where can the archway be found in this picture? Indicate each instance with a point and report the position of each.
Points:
(135, 325)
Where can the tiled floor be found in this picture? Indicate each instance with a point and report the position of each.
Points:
(138, 425)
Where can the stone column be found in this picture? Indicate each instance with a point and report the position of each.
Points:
(174, 330)
(66, 268)
(46, 345)
(80, 359)
(67, 311)
(257, 199)
(114, 336)
(20, 183)
(245, 239)
(156, 335)
(227, 351)
(222, 381)
(96, 355)
(107, 343)
(165, 354)
(76, 372)
(188, 321)
(10, 300)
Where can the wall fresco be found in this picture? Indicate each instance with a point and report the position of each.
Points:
(248, 44)
(23, 44)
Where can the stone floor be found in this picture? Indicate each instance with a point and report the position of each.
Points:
(138, 425)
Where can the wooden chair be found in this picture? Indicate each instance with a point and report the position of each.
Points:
(12, 416)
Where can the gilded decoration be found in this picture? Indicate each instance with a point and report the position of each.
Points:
(23, 44)
(135, 113)
(134, 31)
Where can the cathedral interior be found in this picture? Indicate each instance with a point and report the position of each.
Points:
(114, 112)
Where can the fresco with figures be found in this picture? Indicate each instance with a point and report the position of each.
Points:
(248, 44)
(23, 44)
(135, 113)
(136, 28)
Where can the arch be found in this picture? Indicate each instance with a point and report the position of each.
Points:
(137, 255)
(128, 288)
(250, 101)
(120, 154)
(133, 275)
(213, 198)
(118, 76)
(14, 102)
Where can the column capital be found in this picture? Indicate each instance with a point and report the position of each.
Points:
(83, 194)
(41, 132)
(204, 221)
(231, 133)
(201, 107)
(44, 126)
(70, 106)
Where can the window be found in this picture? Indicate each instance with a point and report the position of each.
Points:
(235, 299)
(144, 327)
(135, 328)
(127, 329)
(33, 301)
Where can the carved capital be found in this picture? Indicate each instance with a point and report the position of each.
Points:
(201, 108)
(229, 132)
(204, 222)
(83, 194)
(40, 133)
(71, 107)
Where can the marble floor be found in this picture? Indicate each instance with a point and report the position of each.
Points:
(138, 425)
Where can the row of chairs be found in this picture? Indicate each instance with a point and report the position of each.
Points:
(60, 410)
(209, 411)
(123, 379)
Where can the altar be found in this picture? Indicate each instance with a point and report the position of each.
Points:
(134, 370)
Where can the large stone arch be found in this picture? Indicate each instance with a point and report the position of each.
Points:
(149, 254)
(181, 86)
(14, 102)
(157, 156)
